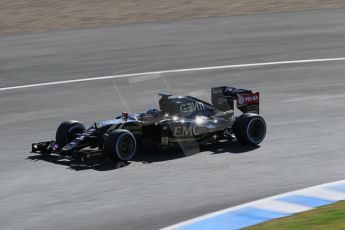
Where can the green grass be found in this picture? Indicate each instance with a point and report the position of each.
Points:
(327, 217)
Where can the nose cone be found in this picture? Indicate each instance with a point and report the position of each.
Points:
(67, 149)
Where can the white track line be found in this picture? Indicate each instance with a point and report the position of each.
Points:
(176, 71)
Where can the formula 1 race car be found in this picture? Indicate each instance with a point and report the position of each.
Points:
(178, 121)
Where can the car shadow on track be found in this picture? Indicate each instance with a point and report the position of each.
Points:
(147, 155)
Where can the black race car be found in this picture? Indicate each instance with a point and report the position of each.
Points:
(180, 121)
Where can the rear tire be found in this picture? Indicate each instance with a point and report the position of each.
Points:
(67, 131)
(250, 129)
(120, 145)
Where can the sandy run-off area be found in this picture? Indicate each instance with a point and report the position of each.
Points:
(41, 15)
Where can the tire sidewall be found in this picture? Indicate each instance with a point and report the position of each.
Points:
(242, 128)
(64, 129)
(248, 126)
(113, 142)
(117, 145)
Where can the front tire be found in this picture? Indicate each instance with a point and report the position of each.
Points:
(67, 131)
(250, 129)
(120, 145)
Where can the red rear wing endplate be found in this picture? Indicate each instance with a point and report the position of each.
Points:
(248, 103)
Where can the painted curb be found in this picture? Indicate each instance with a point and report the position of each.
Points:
(267, 209)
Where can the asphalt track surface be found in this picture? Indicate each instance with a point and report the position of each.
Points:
(303, 105)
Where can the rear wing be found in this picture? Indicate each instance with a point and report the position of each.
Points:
(223, 98)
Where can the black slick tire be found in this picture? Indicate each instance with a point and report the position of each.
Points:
(67, 131)
(120, 145)
(250, 129)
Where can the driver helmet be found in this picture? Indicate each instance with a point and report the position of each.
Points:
(152, 113)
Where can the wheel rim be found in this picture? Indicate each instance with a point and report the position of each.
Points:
(256, 131)
(125, 147)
